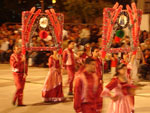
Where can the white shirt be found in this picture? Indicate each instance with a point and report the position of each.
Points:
(4, 46)
(65, 33)
(85, 33)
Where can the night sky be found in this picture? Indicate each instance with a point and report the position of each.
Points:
(10, 10)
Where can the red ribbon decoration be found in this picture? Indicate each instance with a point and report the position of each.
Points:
(60, 51)
(23, 50)
(103, 54)
(55, 23)
(134, 52)
(37, 13)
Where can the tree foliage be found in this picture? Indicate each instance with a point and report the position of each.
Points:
(83, 10)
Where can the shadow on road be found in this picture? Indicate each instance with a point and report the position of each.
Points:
(67, 100)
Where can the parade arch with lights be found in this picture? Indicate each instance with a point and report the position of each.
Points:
(43, 24)
(116, 18)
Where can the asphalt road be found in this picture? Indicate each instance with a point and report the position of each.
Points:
(33, 99)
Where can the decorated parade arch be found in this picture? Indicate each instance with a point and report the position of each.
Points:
(114, 21)
(41, 24)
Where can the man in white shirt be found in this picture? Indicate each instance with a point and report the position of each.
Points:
(84, 35)
(3, 49)
(65, 34)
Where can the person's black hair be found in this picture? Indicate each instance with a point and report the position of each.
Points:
(148, 49)
(16, 46)
(143, 33)
(89, 60)
(51, 52)
(120, 66)
(121, 44)
(128, 43)
(127, 36)
(70, 41)
(114, 54)
(93, 48)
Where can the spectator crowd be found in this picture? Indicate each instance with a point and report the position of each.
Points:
(84, 36)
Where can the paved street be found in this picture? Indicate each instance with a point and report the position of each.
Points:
(33, 99)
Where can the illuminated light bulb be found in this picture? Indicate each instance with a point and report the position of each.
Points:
(53, 1)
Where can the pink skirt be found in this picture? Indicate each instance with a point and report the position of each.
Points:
(122, 105)
(55, 94)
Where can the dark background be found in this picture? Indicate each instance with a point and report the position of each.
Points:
(10, 10)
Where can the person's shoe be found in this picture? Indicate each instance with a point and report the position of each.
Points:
(21, 105)
(64, 99)
(14, 103)
(70, 93)
(132, 111)
(48, 101)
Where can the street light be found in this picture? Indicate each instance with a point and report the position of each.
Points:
(53, 1)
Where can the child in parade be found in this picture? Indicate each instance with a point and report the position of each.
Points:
(96, 56)
(19, 68)
(69, 64)
(52, 90)
(86, 88)
(123, 91)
